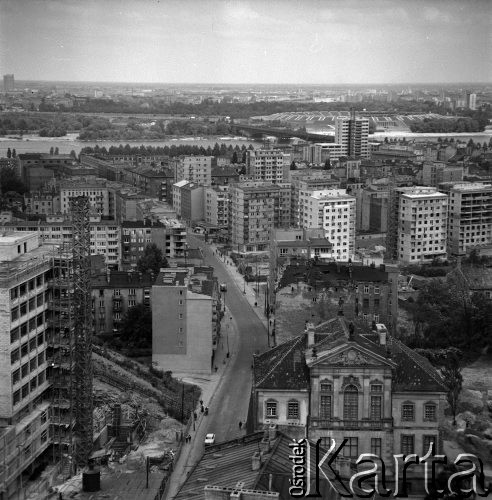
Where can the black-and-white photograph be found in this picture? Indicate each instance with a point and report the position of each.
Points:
(245, 249)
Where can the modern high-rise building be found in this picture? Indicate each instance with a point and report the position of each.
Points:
(417, 224)
(25, 271)
(196, 169)
(303, 185)
(472, 101)
(255, 209)
(8, 83)
(470, 215)
(333, 211)
(217, 206)
(268, 165)
(352, 134)
(374, 209)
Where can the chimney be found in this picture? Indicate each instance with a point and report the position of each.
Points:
(381, 329)
(310, 333)
(256, 460)
(272, 432)
(265, 445)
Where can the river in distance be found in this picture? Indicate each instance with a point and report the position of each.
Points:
(36, 144)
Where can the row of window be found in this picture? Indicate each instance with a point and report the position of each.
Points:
(351, 406)
(28, 306)
(26, 327)
(407, 445)
(23, 288)
(26, 348)
(26, 389)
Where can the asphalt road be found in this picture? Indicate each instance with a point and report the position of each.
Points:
(230, 403)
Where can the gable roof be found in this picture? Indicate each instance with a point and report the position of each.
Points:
(283, 367)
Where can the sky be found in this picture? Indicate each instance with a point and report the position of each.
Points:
(247, 41)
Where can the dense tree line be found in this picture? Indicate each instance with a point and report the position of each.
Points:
(473, 121)
(172, 151)
(447, 314)
(103, 129)
(208, 107)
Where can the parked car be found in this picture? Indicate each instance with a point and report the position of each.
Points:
(209, 439)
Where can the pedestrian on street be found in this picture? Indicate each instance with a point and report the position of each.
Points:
(201, 402)
(206, 410)
(215, 369)
(240, 425)
(202, 409)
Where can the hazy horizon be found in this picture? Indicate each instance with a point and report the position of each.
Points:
(247, 42)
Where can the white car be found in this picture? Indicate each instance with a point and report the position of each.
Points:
(209, 439)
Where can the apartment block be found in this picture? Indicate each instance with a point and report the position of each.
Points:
(470, 216)
(25, 270)
(170, 237)
(334, 211)
(255, 209)
(303, 185)
(183, 322)
(105, 235)
(38, 169)
(421, 224)
(153, 181)
(352, 134)
(216, 210)
(197, 169)
(41, 203)
(374, 208)
(436, 172)
(113, 293)
(96, 192)
(319, 152)
(192, 202)
(268, 165)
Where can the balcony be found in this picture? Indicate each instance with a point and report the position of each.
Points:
(375, 425)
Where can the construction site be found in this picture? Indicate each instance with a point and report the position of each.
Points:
(104, 416)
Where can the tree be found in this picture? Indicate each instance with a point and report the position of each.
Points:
(57, 151)
(293, 166)
(327, 164)
(14, 153)
(73, 154)
(234, 157)
(52, 150)
(454, 381)
(152, 259)
(9, 153)
(10, 181)
(136, 326)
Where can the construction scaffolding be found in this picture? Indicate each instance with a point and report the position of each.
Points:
(71, 346)
(82, 316)
(62, 345)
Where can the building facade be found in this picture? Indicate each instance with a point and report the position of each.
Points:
(422, 224)
(255, 209)
(216, 210)
(436, 172)
(352, 134)
(470, 216)
(25, 271)
(182, 324)
(114, 293)
(105, 235)
(268, 165)
(333, 211)
(197, 169)
(96, 192)
(334, 382)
